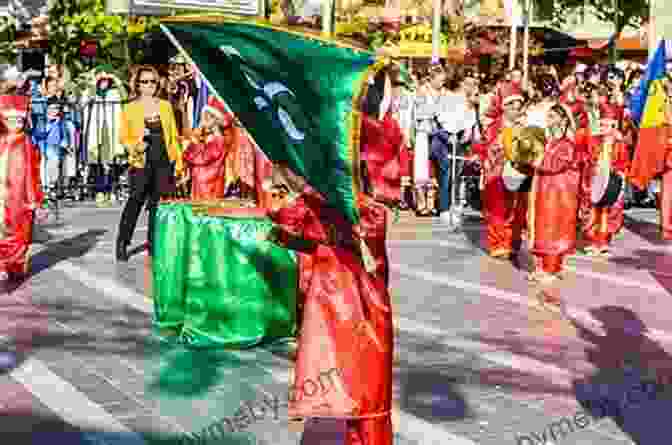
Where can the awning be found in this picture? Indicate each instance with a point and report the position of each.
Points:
(582, 52)
(622, 44)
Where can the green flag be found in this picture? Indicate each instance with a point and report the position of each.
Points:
(297, 95)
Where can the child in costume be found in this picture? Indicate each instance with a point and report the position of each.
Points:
(209, 153)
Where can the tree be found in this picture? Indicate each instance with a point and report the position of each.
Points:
(621, 13)
(74, 22)
(8, 49)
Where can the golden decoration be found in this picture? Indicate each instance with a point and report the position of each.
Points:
(527, 145)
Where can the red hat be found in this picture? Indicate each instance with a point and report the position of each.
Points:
(218, 109)
(511, 92)
(14, 106)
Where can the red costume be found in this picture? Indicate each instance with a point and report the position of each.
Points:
(602, 224)
(206, 163)
(20, 188)
(665, 196)
(504, 211)
(346, 322)
(381, 144)
(208, 156)
(553, 205)
(495, 107)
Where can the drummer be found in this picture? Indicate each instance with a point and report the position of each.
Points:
(501, 206)
(609, 154)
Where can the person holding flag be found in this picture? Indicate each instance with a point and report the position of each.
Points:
(302, 104)
(651, 111)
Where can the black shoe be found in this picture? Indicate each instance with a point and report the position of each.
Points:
(122, 252)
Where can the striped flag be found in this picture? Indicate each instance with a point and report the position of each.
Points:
(648, 111)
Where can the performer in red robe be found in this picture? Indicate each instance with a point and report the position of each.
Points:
(584, 103)
(207, 153)
(382, 139)
(502, 208)
(664, 197)
(609, 148)
(346, 333)
(554, 198)
(20, 188)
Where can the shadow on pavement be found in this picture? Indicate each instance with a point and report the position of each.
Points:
(119, 330)
(432, 389)
(191, 372)
(631, 385)
(648, 231)
(29, 428)
(433, 394)
(655, 261)
(74, 247)
(547, 350)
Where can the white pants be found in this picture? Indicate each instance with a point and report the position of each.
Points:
(50, 171)
(69, 165)
(421, 159)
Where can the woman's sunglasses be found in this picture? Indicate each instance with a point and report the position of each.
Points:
(147, 82)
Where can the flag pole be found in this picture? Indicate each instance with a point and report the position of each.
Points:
(513, 44)
(526, 46)
(436, 31)
(513, 38)
(653, 34)
(328, 9)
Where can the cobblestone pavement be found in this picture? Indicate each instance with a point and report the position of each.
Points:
(477, 360)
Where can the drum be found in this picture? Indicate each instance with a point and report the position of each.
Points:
(527, 144)
(606, 187)
(514, 180)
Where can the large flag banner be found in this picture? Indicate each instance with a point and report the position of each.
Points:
(296, 94)
(648, 111)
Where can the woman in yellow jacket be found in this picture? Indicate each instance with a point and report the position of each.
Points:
(149, 133)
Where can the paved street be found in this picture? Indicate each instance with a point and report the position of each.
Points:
(477, 360)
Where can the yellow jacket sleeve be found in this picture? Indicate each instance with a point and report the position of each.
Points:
(128, 133)
(170, 136)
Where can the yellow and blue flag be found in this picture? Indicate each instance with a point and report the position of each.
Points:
(648, 112)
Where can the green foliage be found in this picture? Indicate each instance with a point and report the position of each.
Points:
(8, 50)
(627, 12)
(72, 22)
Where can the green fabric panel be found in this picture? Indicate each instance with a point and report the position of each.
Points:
(218, 283)
(293, 94)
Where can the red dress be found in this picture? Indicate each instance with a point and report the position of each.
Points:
(346, 333)
(20, 188)
(207, 164)
(664, 199)
(602, 224)
(503, 210)
(381, 144)
(553, 205)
